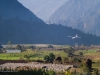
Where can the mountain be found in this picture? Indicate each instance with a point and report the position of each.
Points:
(80, 14)
(12, 8)
(21, 30)
(28, 32)
(43, 8)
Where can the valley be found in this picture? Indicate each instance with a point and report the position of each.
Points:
(49, 37)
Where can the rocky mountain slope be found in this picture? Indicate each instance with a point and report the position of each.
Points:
(79, 14)
(43, 8)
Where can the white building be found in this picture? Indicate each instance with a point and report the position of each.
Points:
(13, 51)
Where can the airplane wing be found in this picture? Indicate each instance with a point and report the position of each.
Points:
(73, 37)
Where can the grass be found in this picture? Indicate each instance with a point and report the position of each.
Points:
(86, 52)
(39, 54)
(33, 54)
(8, 57)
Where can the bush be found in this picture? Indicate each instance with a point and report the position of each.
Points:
(49, 58)
(50, 46)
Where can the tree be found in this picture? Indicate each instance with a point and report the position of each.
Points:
(87, 66)
(70, 52)
(49, 58)
(58, 60)
(9, 45)
(76, 60)
(9, 42)
(32, 47)
(50, 46)
(80, 53)
(46, 58)
(18, 47)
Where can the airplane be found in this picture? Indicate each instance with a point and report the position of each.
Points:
(74, 37)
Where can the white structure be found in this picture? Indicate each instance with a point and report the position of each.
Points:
(74, 37)
(13, 51)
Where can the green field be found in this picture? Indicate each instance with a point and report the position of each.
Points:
(92, 54)
(36, 54)
(33, 54)
(39, 54)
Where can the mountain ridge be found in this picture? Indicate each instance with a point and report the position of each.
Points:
(43, 8)
(80, 14)
(12, 8)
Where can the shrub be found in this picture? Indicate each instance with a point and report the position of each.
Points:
(49, 58)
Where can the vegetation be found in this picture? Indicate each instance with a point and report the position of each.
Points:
(80, 58)
(49, 58)
(31, 72)
(17, 27)
(32, 54)
(50, 46)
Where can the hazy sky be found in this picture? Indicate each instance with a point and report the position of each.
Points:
(43, 8)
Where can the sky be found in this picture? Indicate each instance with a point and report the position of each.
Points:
(43, 8)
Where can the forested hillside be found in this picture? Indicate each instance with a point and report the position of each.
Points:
(26, 32)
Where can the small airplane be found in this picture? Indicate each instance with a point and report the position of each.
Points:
(74, 37)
